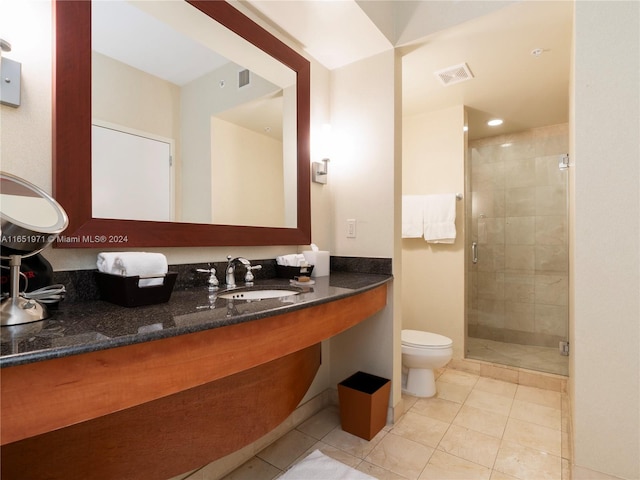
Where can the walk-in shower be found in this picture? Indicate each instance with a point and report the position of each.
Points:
(517, 279)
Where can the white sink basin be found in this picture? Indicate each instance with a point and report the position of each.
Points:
(257, 294)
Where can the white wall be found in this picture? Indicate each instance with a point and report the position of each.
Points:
(605, 317)
(433, 274)
(25, 133)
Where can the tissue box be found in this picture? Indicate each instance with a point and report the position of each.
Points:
(126, 292)
(321, 261)
(283, 271)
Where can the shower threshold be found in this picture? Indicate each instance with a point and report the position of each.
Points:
(530, 357)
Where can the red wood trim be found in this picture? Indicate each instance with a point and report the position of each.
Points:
(43, 396)
(171, 435)
(72, 110)
(72, 143)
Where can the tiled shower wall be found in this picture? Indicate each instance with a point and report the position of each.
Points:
(518, 289)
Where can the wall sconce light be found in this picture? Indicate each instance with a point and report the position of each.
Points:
(9, 78)
(319, 171)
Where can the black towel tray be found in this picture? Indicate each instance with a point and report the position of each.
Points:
(127, 292)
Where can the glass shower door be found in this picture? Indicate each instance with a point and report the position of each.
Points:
(518, 283)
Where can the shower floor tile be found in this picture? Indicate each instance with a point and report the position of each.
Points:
(542, 359)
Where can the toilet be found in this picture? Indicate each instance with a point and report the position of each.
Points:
(421, 353)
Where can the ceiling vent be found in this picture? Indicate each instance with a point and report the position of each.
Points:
(244, 78)
(456, 74)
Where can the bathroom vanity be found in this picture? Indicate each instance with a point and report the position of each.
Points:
(102, 391)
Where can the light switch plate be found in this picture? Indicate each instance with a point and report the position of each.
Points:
(351, 228)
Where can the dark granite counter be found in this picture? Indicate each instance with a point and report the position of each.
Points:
(86, 326)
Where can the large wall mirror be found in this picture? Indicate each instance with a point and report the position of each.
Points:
(200, 140)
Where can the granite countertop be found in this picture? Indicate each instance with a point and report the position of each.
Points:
(81, 327)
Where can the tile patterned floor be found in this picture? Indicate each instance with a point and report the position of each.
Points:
(475, 428)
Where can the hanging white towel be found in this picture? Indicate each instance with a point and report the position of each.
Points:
(440, 218)
(412, 216)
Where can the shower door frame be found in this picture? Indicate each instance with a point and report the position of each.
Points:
(517, 292)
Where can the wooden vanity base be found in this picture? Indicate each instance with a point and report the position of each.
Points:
(171, 435)
(157, 409)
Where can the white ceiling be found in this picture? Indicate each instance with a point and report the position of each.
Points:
(494, 38)
(334, 32)
(509, 82)
(116, 31)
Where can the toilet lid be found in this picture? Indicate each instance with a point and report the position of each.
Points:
(418, 338)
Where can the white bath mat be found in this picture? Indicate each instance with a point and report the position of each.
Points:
(317, 466)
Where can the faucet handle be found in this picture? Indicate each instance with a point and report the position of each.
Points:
(213, 280)
(248, 278)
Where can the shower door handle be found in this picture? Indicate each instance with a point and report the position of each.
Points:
(474, 252)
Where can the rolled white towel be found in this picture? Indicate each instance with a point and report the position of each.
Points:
(291, 260)
(105, 261)
(131, 264)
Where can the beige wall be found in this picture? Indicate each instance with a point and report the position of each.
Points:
(131, 98)
(605, 323)
(361, 170)
(361, 181)
(247, 176)
(433, 150)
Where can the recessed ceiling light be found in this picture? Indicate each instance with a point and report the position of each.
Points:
(495, 122)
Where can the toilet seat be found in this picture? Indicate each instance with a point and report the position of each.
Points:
(420, 339)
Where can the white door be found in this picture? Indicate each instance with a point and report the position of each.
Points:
(130, 176)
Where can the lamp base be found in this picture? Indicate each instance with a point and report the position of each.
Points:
(19, 310)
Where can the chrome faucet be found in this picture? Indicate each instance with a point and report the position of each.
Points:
(230, 272)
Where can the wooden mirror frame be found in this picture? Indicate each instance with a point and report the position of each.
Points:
(72, 143)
